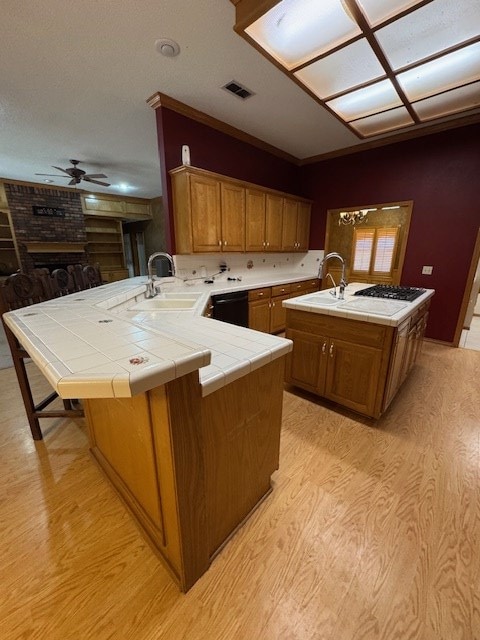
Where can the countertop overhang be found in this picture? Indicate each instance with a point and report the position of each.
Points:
(90, 345)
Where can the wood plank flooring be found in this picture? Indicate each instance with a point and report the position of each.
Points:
(372, 530)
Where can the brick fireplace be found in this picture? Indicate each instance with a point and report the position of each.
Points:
(45, 240)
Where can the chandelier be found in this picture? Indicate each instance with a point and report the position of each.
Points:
(354, 217)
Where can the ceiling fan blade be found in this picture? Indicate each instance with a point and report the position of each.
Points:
(103, 184)
(52, 175)
(73, 181)
(95, 175)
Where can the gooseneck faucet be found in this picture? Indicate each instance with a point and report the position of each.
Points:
(342, 283)
(151, 291)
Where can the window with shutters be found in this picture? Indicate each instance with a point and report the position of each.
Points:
(374, 251)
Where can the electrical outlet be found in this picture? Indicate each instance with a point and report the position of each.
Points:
(427, 271)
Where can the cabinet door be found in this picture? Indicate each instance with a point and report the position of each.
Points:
(303, 226)
(255, 220)
(306, 363)
(353, 373)
(233, 217)
(259, 315)
(289, 229)
(273, 222)
(206, 218)
(278, 314)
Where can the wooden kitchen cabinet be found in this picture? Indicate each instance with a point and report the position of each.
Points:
(232, 217)
(205, 212)
(342, 371)
(214, 213)
(266, 311)
(359, 365)
(259, 309)
(296, 225)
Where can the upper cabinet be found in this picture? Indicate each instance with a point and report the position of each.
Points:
(296, 225)
(216, 213)
(108, 206)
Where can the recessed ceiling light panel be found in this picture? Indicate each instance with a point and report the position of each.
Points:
(447, 72)
(383, 122)
(295, 31)
(376, 11)
(429, 30)
(449, 102)
(364, 102)
(351, 66)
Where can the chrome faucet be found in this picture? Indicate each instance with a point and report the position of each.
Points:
(151, 291)
(334, 292)
(343, 282)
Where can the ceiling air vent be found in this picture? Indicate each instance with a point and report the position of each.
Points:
(237, 90)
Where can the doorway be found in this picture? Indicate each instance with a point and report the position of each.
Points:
(373, 244)
(467, 335)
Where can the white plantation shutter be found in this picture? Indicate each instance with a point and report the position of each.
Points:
(385, 245)
(363, 240)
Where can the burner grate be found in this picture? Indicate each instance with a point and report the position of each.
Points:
(392, 292)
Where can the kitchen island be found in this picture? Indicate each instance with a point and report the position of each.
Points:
(183, 412)
(356, 352)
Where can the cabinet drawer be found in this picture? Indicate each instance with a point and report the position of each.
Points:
(281, 290)
(259, 294)
(304, 285)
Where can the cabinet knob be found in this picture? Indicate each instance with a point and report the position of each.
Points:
(268, 244)
(260, 294)
(219, 243)
(224, 243)
(324, 348)
(331, 350)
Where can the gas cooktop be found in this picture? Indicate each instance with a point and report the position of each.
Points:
(391, 292)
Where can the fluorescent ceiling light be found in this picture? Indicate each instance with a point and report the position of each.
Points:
(377, 65)
(449, 102)
(383, 122)
(295, 31)
(351, 66)
(429, 30)
(377, 11)
(447, 72)
(363, 102)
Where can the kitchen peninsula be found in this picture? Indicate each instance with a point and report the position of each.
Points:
(184, 412)
(356, 352)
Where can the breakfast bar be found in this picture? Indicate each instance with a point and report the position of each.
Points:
(184, 412)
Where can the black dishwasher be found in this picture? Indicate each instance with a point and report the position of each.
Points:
(231, 307)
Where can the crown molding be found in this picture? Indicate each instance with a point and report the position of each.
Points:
(161, 100)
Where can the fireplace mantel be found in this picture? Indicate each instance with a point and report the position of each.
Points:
(55, 247)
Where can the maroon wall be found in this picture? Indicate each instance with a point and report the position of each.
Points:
(216, 151)
(440, 173)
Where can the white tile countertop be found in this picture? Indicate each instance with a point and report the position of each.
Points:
(92, 345)
(365, 309)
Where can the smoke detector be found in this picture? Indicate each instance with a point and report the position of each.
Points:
(168, 48)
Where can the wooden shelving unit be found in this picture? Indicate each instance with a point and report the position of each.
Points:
(9, 262)
(105, 247)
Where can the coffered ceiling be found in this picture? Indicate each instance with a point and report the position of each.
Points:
(76, 77)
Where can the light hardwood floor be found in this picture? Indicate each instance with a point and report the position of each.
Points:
(372, 530)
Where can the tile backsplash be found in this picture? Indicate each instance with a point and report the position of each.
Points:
(238, 264)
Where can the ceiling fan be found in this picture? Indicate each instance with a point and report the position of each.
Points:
(77, 175)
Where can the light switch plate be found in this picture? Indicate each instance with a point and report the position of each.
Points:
(427, 271)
